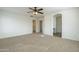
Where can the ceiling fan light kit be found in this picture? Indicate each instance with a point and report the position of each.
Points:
(35, 13)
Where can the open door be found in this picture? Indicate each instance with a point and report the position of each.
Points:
(57, 25)
(34, 26)
(40, 26)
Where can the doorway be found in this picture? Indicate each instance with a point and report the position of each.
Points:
(57, 27)
(34, 26)
(40, 26)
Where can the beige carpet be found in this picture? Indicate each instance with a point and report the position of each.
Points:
(38, 43)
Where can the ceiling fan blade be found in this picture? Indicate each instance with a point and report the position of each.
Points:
(30, 12)
(40, 9)
(31, 16)
(41, 12)
(31, 8)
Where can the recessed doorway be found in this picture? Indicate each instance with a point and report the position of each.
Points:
(57, 25)
(40, 26)
(34, 26)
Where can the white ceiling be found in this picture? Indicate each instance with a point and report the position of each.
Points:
(24, 10)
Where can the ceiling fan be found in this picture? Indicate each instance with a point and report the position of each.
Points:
(35, 11)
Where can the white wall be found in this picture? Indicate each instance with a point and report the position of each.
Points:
(48, 25)
(70, 24)
(0, 24)
(13, 24)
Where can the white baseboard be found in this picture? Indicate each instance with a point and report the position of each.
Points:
(8, 36)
